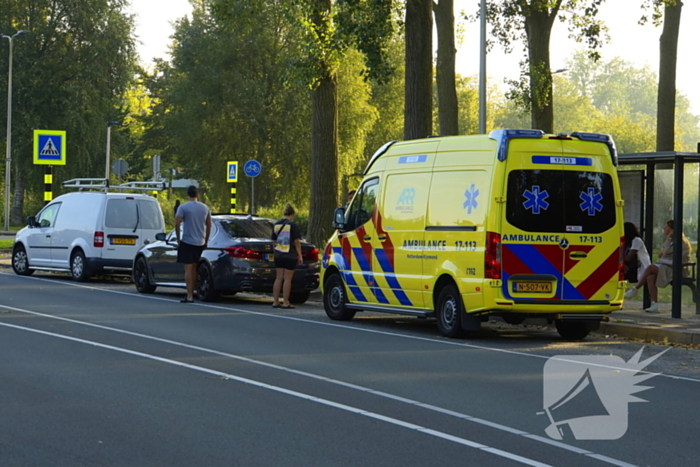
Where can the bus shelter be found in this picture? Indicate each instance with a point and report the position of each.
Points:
(638, 176)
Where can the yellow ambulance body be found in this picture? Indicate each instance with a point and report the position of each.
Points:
(518, 224)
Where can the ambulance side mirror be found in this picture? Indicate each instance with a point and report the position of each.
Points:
(339, 219)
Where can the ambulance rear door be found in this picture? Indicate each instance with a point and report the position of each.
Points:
(533, 244)
(591, 223)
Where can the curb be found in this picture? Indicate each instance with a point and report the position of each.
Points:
(675, 336)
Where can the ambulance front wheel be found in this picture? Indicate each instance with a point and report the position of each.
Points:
(335, 299)
(572, 330)
(449, 312)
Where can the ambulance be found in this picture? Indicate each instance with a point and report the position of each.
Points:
(517, 224)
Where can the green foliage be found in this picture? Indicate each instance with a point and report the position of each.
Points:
(301, 217)
(69, 73)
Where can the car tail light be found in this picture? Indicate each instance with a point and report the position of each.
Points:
(242, 252)
(99, 240)
(621, 266)
(310, 255)
(492, 259)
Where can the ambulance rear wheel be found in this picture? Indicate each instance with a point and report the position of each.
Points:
(335, 299)
(571, 330)
(449, 312)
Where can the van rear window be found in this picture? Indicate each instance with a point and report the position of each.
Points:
(150, 214)
(121, 214)
(560, 201)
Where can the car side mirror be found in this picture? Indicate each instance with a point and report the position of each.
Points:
(161, 236)
(339, 219)
(31, 221)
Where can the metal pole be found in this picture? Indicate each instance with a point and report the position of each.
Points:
(109, 132)
(677, 238)
(252, 196)
(8, 159)
(482, 71)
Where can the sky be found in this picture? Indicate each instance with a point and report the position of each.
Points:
(633, 43)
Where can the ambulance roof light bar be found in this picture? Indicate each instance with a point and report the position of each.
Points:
(600, 138)
(503, 137)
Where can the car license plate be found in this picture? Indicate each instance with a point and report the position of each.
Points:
(123, 241)
(270, 256)
(532, 287)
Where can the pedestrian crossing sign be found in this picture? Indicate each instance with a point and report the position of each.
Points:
(49, 147)
(232, 171)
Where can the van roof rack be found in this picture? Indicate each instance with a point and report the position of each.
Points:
(103, 184)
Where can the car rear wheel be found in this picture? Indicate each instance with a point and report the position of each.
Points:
(299, 298)
(449, 312)
(78, 266)
(20, 261)
(141, 277)
(205, 284)
(572, 330)
(335, 299)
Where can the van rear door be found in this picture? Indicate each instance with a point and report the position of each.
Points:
(121, 230)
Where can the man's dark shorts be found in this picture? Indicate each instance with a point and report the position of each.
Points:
(286, 263)
(189, 254)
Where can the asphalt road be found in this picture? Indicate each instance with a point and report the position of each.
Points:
(95, 374)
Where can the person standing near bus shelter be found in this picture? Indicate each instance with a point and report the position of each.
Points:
(195, 219)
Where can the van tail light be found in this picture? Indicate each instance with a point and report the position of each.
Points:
(310, 255)
(492, 260)
(242, 252)
(621, 266)
(99, 240)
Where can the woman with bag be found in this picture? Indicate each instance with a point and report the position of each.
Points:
(287, 238)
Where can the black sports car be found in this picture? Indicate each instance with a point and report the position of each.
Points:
(239, 257)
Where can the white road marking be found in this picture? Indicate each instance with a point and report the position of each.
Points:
(355, 328)
(300, 395)
(382, 394)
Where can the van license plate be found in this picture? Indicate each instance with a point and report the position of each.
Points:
(532, 287)
(123, 241)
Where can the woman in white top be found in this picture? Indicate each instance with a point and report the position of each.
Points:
(635, 248)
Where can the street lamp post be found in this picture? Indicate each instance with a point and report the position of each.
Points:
(109, 141)
(8, 159)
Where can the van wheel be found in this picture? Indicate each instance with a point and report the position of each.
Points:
(205, 284)
(571, 330)
(449, 312)
(141, 278)
(298, 298)
(335, 300)
(78, 266)
(20, 261)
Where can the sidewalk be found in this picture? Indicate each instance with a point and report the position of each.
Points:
(633, 322)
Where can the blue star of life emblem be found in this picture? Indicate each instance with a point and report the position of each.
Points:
(591, 201)
(471, 195)
(536, 200)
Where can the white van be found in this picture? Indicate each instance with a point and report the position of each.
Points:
(86, 233)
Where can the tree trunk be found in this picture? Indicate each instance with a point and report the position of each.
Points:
(538, 25)
(419, 69)
(17, 211)
(448, 112)
(666, 97)
(324, 145)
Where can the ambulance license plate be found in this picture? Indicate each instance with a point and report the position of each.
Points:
(532, 287)
(123, 241)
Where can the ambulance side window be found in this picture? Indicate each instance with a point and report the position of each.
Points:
(360, 210)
